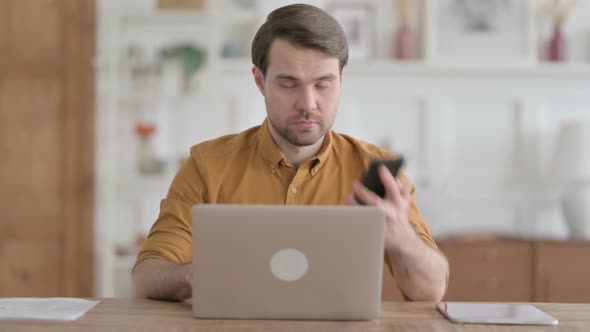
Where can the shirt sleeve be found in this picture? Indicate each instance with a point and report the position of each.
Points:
(415, 217)
(419, 226)
(170, 237)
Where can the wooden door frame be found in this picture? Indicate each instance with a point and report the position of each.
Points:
(78, 139)
(74, 69)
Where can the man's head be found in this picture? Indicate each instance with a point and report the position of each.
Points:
(303, 26)
(298, 56)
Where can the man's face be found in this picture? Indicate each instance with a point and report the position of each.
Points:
(301, 89)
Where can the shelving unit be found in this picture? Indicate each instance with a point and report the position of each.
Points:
(127, 199)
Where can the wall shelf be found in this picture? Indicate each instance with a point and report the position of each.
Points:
(419, 68)
(239, 66)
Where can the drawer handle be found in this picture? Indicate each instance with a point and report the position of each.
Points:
(491, 255)
(490, 283)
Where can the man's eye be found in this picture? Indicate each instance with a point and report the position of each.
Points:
(288, 85)
(323, 85)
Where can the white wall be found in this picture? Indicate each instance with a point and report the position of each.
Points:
(479, 142)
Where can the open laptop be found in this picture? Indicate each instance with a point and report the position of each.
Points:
(287, 262)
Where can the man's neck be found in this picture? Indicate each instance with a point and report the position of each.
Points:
(296, 155)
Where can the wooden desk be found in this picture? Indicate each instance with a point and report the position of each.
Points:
(145, 315)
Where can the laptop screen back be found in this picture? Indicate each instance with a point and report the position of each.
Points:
(287, 262)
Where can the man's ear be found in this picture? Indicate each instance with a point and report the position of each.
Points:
(258, 78)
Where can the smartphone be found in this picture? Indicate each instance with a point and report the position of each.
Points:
(371, 178)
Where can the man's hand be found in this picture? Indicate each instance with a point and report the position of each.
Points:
(421, 271)
(163, 280)
(396, 204)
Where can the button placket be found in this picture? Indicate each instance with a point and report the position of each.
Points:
(294, 189)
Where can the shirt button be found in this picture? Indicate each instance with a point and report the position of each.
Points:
(294, 190)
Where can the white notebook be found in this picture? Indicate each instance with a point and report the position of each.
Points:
(50, 309)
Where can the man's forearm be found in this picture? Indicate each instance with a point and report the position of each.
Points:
(420, 271)
(162, 280)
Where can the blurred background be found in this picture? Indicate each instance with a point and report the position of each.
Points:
(488, 100)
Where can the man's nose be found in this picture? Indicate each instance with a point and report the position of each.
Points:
(307, 100)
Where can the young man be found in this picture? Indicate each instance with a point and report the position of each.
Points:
(292, 158)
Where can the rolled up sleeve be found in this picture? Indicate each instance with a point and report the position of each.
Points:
(170, 237)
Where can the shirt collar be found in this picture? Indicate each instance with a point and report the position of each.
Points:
(267, 147)
(272, 156)
(320, 159)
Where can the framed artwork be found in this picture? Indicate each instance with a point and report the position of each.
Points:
(181, 4)
(482, 32)
(358, 22)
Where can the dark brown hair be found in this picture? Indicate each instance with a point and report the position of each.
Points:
(304, 26)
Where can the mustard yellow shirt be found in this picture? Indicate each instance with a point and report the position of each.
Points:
(248, 168)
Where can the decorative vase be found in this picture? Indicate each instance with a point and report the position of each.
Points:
(576, 210)
(404, 43)
(556, 45)
(147, 162)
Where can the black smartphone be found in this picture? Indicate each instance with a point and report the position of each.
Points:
(371, 178)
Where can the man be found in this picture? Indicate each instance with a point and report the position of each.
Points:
(292, 158)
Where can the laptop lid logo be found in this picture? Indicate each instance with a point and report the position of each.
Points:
(289, 265)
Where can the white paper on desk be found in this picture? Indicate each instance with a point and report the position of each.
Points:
(55, 309)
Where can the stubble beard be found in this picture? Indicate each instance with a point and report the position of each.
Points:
(302, 137)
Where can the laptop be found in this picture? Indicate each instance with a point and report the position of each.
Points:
(287, 262)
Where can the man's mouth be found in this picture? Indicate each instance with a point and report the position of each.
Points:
(305, 124)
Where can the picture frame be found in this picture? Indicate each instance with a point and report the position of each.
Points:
(235, 7)
(198, 5)
(358, 22)
(483, 33)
